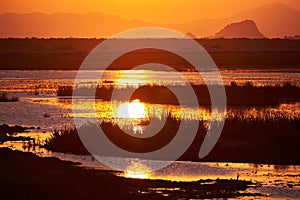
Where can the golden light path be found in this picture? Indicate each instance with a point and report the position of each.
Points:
(137, 170)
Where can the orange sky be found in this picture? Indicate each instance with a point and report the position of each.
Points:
(158, 11)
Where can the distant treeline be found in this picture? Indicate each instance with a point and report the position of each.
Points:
(69, 53)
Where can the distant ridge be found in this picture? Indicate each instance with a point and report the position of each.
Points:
(243, 29)
(191, 35)
(273, 20)
(59, 25)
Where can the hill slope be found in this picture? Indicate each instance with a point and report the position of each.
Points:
(243, 29)
(274, 20)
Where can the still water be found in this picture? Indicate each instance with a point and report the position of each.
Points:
(49, 81)
(40, 107)
(36, 90)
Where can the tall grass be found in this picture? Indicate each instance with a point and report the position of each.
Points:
(65, 140)
(246, 94)
(259, 141)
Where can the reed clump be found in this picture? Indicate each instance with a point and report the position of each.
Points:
(5, 98)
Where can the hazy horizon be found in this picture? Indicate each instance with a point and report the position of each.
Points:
(166, 12)
(99, 22)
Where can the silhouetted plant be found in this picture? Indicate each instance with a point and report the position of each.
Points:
(248, 84)
(268, 140)
(66, 140)
(233, 84)
(287, 84)
(5, 98)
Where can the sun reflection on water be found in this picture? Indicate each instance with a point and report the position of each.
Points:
(139, 113)
(137, 170)
(132, 116)
(134, 109)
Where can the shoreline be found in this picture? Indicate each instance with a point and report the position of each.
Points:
(267, 146)
(27, 176)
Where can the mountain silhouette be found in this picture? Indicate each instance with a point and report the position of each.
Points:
(191, 35)
(273, 20)
(243, 29)
(65, 25)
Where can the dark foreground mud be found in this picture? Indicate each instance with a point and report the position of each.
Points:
(27, 176)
